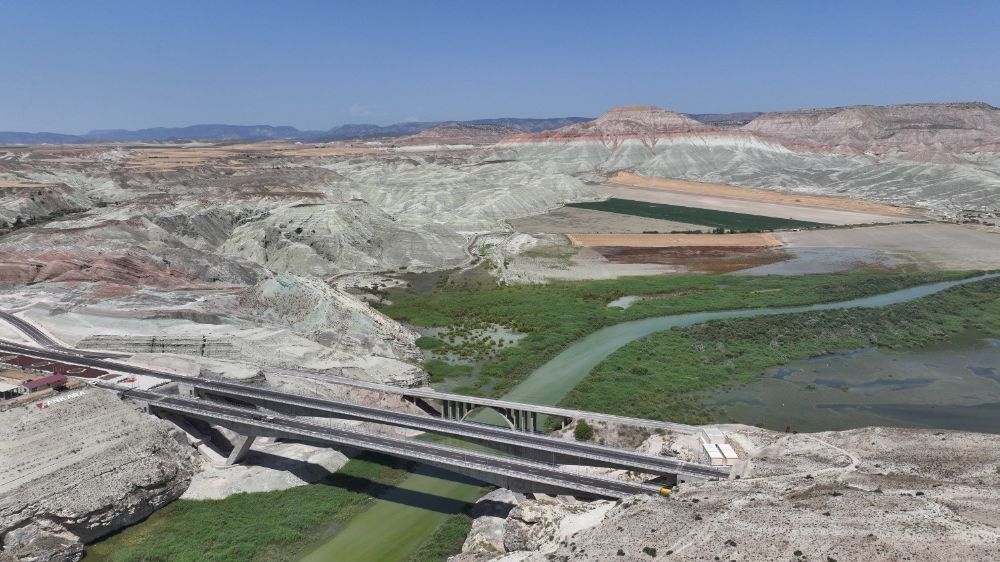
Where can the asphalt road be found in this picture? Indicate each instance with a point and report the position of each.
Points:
(561, 451)
(430, 453)
(43, 339)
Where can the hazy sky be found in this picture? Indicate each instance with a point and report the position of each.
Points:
(72, 66)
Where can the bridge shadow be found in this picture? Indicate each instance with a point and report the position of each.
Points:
(311, 472)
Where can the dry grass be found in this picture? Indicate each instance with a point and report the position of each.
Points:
(172, 157)
(754, 240)
(755, 194)
(19, 184)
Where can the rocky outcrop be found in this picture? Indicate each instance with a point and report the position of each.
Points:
(940, 157)
(81, 469)
(865, 494)
(205, 346)
(328, 315)
(939, 127)
(644, 123)
(489, 522)
(134, 251)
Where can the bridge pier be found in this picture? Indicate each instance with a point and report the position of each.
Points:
(240, 449)
(425, 406)
(455, 410)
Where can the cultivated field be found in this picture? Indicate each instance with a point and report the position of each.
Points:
(812, 208)
(762, 195)
(573, 219)
(752, 240)
(726, 220)
(19, 184)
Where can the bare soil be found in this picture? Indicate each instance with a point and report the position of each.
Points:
(570, 219)
(758, 240)
(762, 195)
(702, 259)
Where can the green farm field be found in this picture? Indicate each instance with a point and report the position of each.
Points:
(736, 222)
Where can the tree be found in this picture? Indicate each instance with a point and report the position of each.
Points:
(583, 431)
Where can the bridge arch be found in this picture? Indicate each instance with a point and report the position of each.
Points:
(504, 414)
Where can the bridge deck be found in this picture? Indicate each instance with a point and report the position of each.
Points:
(560, 451)
(523, 473)
(431, 394)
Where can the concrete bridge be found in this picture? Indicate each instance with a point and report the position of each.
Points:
(519, 415)
(512, 473)
(531, 448)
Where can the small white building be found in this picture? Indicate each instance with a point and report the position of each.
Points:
(712, 435)
(8, 390)
(716, 451)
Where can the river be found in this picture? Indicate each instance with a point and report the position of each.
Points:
(951, 385)
(392, 529)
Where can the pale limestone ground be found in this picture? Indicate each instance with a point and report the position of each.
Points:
(551, 257)
(866, 494)
(80, 469)
(941, 245)
(269, 466)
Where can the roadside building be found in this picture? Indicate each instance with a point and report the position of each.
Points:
(8, 389)
(35, 385)
(37, 365)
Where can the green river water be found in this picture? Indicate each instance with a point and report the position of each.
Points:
(392, 529)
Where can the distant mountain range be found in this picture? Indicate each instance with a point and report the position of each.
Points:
(252, 133)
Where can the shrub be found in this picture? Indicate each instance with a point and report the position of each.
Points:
(428, 342)
(583, 431)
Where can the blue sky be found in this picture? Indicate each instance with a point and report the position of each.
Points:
(73, 66)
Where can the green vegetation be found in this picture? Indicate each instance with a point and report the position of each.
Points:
(667, 374)
(446, 541)
(736, 222)
(271, 526)
(428, 342)
(441, 371)
(554, 315)
(473, 341)
(583, 431)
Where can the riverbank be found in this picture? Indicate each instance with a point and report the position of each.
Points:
(555, 315)
(419, 515)
(265, 526)
(668, 374)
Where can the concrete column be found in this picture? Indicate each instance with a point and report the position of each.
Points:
(509, 416)
(534, 422)
(241, 449)
(445, 409)
(186, 390)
